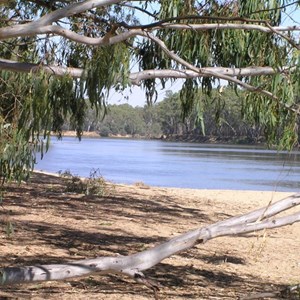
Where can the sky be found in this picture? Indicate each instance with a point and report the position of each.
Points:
(135, 96)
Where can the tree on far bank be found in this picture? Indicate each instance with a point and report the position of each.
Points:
(222, 119)
(54, 55)
(122, 120)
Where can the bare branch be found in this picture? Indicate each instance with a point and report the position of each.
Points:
(14, 66)
(288, 39)
(133, 265)
(40, 26)
(137, 77)
(34, 28)
(73, 9)
(192, 17)
(212, 73)
(213, 26)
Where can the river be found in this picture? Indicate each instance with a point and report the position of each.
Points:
(175, 164)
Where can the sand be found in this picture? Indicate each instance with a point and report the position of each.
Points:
(53, 226)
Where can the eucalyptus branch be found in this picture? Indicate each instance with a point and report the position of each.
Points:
(14, 66)
(137, 77)
(235, 26)
(133, 265)
(43, 26)
(191, 17)
(38, 26)
(289, 40)
(213, 73)
(101, 41)
(73, 9)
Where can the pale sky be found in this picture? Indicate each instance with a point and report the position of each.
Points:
(137, 95)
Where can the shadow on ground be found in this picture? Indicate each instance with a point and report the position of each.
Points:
(46, 194)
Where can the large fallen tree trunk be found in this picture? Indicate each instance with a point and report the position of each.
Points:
(133, 265)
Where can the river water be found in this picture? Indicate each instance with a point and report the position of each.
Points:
(174, 164)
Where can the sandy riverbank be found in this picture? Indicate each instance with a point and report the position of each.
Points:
(51, 226)
(94, 134)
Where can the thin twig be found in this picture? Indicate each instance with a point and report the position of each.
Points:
(289, 40)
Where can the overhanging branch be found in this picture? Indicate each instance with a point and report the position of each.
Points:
(224, 26)
(137, 77)
(39, 26)
(211, 73)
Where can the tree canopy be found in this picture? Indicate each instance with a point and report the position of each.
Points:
(57, 58)
(62, 58)
(221, 120)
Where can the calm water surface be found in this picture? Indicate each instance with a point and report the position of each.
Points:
(185, 165)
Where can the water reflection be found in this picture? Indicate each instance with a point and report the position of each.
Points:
(185, 165)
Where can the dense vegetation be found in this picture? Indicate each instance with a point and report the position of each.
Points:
(222, 118)
(61, 59)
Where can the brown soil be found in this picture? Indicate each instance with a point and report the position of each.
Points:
(51, 226)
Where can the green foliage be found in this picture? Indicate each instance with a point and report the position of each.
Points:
(95, 184)
(221, 117)
(111, 72)
(277, 116)
(32, 105)
(237, 48)
(17, 157)
(73, 183)
(122, 120)
(9, 229)
(150, 56)
(169, 114)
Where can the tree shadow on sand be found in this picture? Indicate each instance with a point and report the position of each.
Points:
(182, 281)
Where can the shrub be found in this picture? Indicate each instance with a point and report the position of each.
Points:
(95, 184)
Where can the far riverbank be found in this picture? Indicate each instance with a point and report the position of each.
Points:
(191, 138)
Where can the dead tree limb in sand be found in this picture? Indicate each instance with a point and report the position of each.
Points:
(290, 292)
(133, 265)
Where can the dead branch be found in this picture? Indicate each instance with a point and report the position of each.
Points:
(289, 292)
(133, 265)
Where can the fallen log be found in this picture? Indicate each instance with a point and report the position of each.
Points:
(134, 265)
